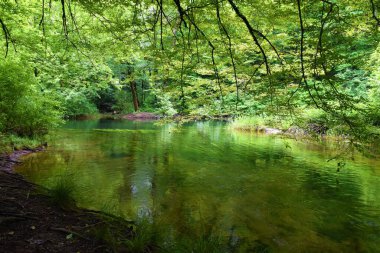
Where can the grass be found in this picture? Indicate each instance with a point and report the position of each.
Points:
(143, 239)
(308, 121)
(9, 143)
(201, 244)
(61, 192)
(257, 123)
(121, 236)
(146, 236)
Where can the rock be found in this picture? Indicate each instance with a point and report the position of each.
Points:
(294, 130)
(141, 116)
(317, 128)
(269, 130)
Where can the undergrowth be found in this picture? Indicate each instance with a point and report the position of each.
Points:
(9, 143)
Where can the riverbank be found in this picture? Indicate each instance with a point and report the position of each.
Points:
(31, 222)
(153, 116)
(310, 125)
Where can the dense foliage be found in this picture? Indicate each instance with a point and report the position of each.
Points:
(25, 110)
(70, 58)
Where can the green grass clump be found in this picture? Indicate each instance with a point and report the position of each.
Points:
(143, 239)
(61, 192)
(9, 143)
(202, 244)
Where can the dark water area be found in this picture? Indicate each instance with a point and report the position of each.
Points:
(258, 193)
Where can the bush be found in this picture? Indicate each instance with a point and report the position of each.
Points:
(165, 106)
(25, 110)
(257, 122)
(105, 99)
(77, 104)
(374, 107)
(314, 116)
(123, 102)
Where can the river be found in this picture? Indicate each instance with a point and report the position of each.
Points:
(258, 193)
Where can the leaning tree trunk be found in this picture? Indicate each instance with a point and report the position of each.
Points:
(134, 96)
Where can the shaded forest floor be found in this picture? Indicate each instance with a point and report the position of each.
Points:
(30, 222)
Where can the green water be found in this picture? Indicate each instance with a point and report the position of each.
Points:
(258, 193)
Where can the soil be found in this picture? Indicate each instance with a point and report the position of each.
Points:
(30, 222)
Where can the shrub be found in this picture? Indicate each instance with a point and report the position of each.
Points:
(165, 105)
(374, 107)
(123, 101)
(76, 104)
(25, 110)
(256, 122)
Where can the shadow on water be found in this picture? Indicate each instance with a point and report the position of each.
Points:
(204, 188)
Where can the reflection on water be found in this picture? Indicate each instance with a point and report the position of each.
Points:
(258, 192)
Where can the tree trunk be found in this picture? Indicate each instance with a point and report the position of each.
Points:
(134, 96)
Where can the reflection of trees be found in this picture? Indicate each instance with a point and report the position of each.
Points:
(337, 203)
(202, 180)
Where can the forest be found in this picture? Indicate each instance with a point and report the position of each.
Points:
(308, 68)
(297, 61)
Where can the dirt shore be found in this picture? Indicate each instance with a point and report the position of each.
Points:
(30, 222)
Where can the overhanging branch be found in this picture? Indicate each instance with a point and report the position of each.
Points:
(374, 12)
(7, 36)
(252, 31)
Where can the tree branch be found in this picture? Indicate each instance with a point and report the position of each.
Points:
(7, 36)
(303, 78)
(177, 2)
(64, 19)
(253, 35)
(229, 49)
(374, 12)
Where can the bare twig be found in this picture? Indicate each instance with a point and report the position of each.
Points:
(374, 12)
(303, 78)
(251, 31)
(224, 29)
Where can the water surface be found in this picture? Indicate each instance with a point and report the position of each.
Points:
(258, 193)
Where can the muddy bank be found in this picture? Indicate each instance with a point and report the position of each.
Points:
(30, 222)
(8, 161)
